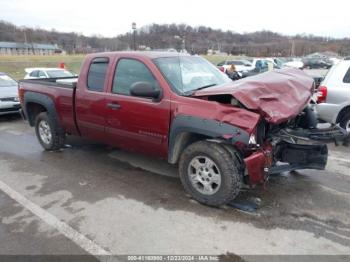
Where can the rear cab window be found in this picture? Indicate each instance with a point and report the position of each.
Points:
(97, 74)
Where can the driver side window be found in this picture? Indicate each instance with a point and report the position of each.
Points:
(129, 72)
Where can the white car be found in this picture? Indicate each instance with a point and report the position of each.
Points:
(333, 103)
(295, 63)
(9, 101)
(240, 65)
(44, 72)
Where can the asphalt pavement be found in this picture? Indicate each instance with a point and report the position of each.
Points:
(91, 199)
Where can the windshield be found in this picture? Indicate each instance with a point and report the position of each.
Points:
(59, 73)
(7, 81)
(189, 73)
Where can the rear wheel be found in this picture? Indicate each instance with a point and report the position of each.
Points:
(47, 132)
(210, 173)
(345, 121)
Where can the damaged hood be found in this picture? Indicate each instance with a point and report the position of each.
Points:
(277, 96)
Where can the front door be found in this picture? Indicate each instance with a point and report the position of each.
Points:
(136, 123)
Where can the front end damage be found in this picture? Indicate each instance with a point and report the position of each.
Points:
(287, 147)
(287, 136)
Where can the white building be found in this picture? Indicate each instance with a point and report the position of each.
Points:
(12, 48)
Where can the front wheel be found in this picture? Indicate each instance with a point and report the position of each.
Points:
(47, 132)
(210, 173)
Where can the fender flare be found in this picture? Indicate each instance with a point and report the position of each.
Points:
(43, 100)
(184, 125)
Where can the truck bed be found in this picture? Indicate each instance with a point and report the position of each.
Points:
(62, 95)
(66, 82)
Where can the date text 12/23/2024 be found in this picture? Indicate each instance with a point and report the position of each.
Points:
(198, 258)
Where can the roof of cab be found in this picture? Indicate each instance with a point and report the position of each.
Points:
(149, 54)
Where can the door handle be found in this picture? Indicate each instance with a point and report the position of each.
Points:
(113, 106)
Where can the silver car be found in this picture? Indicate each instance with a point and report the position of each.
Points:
(333, 102)
(9, 102)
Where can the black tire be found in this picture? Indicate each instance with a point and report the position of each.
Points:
(57, 137)
(344, 120)
(227, 164)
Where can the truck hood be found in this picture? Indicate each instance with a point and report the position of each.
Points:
(277, 96)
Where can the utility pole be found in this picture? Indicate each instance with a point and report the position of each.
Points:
(183, 44)
(25, 36)
(292, 51)
(133, 26)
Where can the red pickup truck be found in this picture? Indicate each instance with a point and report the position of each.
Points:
(221, 134)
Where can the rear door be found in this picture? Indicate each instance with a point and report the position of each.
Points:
(338, 84)
(90, 99)
(136, 123)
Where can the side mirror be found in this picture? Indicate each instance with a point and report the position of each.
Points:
(144, 89)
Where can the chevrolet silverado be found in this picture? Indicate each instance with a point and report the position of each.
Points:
(221, 134)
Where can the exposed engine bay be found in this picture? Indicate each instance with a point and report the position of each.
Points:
(287, 135)
(299, 143)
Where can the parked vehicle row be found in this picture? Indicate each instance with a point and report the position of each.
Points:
(221, 134)
(249, 64)
(313, 63)
(240, 65)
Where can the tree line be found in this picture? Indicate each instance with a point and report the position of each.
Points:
(178, 36)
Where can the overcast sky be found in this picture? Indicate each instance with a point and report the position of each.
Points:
(110, 18)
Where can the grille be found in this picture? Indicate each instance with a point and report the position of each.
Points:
(9, 99)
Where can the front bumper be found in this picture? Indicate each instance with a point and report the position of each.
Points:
(9, 107)
(258, 165)
(310, 152)
(289, 157)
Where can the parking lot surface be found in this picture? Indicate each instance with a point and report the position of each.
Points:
(93, 199)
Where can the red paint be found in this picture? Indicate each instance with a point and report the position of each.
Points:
(143, 125)
(202, 108)
(277, 95)
(256, 163)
